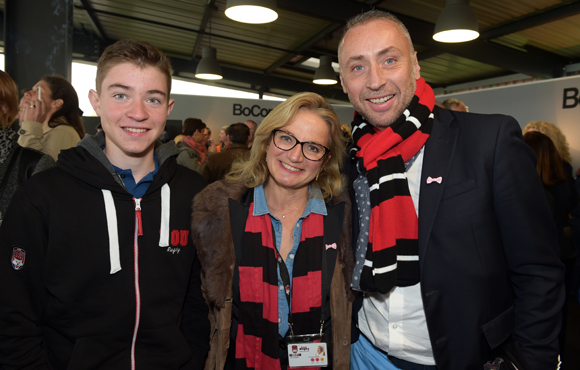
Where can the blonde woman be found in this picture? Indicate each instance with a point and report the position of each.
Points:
(554, 133)
(274, 242)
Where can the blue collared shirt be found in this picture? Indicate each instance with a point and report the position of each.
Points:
(315, 205)
(139, 189)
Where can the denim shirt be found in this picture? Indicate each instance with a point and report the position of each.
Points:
(315, 204)
(137, 190)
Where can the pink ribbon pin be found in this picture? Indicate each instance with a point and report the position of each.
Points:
(333, 246)
(436, 179)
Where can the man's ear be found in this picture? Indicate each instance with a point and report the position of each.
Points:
(95, 102)
(344, 89)
(416, 66)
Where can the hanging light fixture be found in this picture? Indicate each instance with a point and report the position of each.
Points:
(208, 67)
(252, 11)
(325, 74)
(456, 23)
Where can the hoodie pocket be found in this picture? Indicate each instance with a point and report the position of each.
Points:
(109, 351)
(160, 348)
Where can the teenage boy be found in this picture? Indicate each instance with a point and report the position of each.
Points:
(98, 269)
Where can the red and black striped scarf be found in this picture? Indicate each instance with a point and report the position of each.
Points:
(392, 253)
(257, 340)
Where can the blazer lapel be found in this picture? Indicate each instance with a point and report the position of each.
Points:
(437, 159)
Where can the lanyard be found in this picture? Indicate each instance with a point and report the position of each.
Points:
(285, 276)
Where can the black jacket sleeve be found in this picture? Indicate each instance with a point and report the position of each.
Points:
(22, 290)
(530, 247)
(195, 323)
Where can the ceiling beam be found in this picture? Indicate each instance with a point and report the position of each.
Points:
(552, 14)
(185, 29)
(206, 18)
(94, 21)
(422, 34)
(484, 51)
(234, 74)
(319, 36)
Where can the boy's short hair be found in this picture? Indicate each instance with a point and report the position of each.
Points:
(137, 52)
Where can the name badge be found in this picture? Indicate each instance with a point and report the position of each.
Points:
(307, 351)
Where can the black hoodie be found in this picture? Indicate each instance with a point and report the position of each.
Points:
(81, 288)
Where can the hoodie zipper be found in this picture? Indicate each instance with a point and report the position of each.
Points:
(138, 232)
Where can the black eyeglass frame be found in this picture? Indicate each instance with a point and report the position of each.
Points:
(326, 150)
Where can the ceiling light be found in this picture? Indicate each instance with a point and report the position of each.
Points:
(456, 23)
(252, 11)
(325, 75)
(208, 67)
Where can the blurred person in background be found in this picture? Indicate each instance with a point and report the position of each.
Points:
(193, 152)
(456, 105)
(218, 165)
(563, 200)
(253, 126)
(224, 139)
(17, 164)
(50, 117)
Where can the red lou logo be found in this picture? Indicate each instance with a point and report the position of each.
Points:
(18, 257)
(179, 237)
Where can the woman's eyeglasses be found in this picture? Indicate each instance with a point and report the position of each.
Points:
(311, 151)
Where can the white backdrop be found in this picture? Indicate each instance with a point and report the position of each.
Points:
(533, 101)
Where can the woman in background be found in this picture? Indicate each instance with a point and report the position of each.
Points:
(558, 138)
(51, 119)
(563, 200)
(274, 241)
(17, 164)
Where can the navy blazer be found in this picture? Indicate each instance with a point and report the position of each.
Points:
(488, 249)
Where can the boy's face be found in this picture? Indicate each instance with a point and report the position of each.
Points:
(133, 105)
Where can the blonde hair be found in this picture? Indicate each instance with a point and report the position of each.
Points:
(253, 171)
(554, 133)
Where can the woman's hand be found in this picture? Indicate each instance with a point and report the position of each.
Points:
(35, 111)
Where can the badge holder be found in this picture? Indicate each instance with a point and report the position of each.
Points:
(307, 350)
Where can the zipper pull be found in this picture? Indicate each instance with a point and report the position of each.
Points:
(138, 215)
